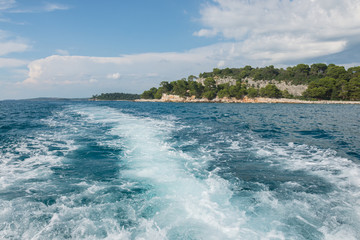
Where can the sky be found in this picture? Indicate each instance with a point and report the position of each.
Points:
(78, 48)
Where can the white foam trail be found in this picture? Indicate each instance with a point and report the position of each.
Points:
(38, 159)
(179, 199)
(337, 214)
(26, 173)
(293, 210)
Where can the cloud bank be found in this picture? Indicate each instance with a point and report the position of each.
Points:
(284, 29)
(11, 6)
(132, 73)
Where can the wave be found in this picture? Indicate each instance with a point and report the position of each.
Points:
(100, 173)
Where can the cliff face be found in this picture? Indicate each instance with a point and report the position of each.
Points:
(219, 80)
(295, 90)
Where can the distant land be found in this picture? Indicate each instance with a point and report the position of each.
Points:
(302, 82)
(56, 99)
(115, 97)
(101, 97)
(48, 99)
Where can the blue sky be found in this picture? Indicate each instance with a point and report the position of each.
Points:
(77, 48)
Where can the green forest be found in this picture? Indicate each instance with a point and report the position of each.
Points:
(325, 82)
(115, 96)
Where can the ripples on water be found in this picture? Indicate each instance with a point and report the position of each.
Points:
(122, 170)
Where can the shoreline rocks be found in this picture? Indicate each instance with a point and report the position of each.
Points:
(192, 99)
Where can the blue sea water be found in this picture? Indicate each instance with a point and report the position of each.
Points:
(125, 170)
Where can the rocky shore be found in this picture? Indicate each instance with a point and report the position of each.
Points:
(192, 99)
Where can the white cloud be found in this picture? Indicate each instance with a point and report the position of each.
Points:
(114, 76)
(129, 73)
(9, 44)
(206, 33)
(282, 48)
(151, 68)
(6, 4)
(7, 47)
(45, 7)
(283, 29)
(11, 62)
(221, 64)
(62, 52)
(83, 76)
(49, 7)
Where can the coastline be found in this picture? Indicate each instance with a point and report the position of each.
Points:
(178, 99)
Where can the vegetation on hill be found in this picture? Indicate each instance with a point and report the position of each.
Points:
(325, 82)
(299, 74)
(115, 96)
(210, 90)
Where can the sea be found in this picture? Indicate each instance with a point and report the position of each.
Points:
(132, 170)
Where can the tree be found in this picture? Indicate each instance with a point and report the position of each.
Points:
(195, 89)
(149, 94)
(339, 90)
(216, 71)
(300, 73)
(191, 78)
(166, 86)
(159, 93)
(270, 91)
(318, 69)
(233, 90)
(269, 72)
(321, 89)
(226, 72)
(252, 92)
(354, 89)
(116, 96)
(316, 92)
(180, 87)
(302, 69)
(286, 94)
(354, 71)
(209, 94)
(210, 84)
(336, 72)
(223, 93)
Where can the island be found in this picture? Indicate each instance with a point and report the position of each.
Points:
(115, 97)
(318, 83)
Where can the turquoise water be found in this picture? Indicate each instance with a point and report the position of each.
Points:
(124, 170)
